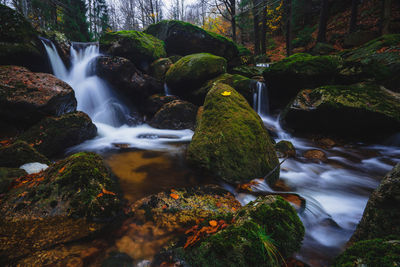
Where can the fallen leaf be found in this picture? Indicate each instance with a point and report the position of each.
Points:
(213, 223)
(108, 192)
(226, 93)
(61, 170)
(174, 196)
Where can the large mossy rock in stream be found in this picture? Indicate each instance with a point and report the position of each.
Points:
(182, 38)
(377, 60)
(262, 233)
(140, 48)
(176, 115)
(191, 72)
(155, 102)
(159, 68)
(241, 84)
(299, 71)
(27, 97)
(19, 42)
(248, 71)
(53, 135)
(360, 111)
(373, 252)
(19, 153)
(124, 77)
(230, 141)
(70, 200)
(381, 217)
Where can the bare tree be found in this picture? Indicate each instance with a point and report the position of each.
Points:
(227, 9)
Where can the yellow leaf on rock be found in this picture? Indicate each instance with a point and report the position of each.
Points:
(226, 93)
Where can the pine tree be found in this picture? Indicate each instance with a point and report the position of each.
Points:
(75, 24)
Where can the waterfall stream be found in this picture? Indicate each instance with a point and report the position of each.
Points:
(336, 191)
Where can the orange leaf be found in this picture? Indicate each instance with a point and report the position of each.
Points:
(99, 195)
(108, 192)
(213, 223)
(61, 170)
(174, 196)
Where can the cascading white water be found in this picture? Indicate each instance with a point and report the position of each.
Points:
(107, 111)
(166, 90)
(260, 99)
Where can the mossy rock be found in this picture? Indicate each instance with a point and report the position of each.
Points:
(182, 38)
(359, 111)
(268, 222)
(241, 84)
(7, 175)
(230, 141)
(373, 252)
(381, 216)
(285, 148)
(140, 48)
(155, 102)
(53, 135)
(378, 60)
(299, 71)
(19, 153)
(190, 72)
(20, 44)
(321, 49)
(248, 71)
(175, 115)
(159, 68)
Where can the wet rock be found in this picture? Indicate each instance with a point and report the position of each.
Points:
(118, 259)
(381, 216)
(155, 102)
(53, 135)
(140, 48)
(175, 58)
(361, 111)
(26, 97)
(374, 252)
(175, 115)
(122, 75)
(190, 72)
(268, 224)
(241, 84)
(326, 142)
(286, 148)
(62, 44)
(19, 153)
(315, 154)
(299, 71)
(20, 44)
(230, 141)
(182, 38)
(248, 71)
(159, 68)
(7, 175)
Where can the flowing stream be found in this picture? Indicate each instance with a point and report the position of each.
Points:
(336, 191)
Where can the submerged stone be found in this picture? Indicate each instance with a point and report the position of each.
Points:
(230, 140)
(286, 148)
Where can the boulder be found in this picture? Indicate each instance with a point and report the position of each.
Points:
(381, 216)
(299, 71)
(53, 135)
(140, 48)
(19, 43)
(248, 71)
(241, 84)
(159, 68)
(361, 111)
(321, 49)
(230, 141)
(176, 115)
(155, 102)
(263, 233)
(183, 38)
(7, 175)
(27, 97)
(71, 200)
(285, 148)
(315, 155)
(373, 252)
(20, 153)
(190, 72)
(123, 76)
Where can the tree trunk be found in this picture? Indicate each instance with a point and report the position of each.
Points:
(323, 21)
(264, 29)
(233, 19)
(386, 13)
(307, 12)
(256, 28)
(289, 27)
(354, 14)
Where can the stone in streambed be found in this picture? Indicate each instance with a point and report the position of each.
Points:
(285, 148)
(19, 153)
(315, 154)
(230, 140)
(7, 175)
(175, 115)
(159, 68)
(155, 102)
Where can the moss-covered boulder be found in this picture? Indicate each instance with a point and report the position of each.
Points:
(7, 175)
(70, 200)
(378, 60)
(299, 71)
(262, 233)
(53, 135)
(241, 84)
(19, 43)
(190, 72)
(381, 216)
(285, 149)
(27, 97)
(140, 48)
(230, 141)
(155, 102)
(362, 111)
(248, 71)
(176, 115)
(373, 252)
(159, 68)
(183, 38)
(19, 153)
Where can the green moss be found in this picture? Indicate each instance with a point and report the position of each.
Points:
(248, 71)
(159, 68)
(19, 153)
(230, 140)
(286, 148)
(7, 175)
(374, 252)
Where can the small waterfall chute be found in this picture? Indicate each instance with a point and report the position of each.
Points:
(260, 99)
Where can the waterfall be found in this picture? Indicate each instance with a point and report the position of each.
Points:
(260, 99)
(166, 90)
